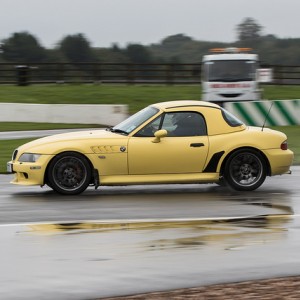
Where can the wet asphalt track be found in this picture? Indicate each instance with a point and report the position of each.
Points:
(127, 240)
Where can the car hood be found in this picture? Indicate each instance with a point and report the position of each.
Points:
(79, 138)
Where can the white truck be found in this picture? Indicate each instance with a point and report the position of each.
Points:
(230, 74)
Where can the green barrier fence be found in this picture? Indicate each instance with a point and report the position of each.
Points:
(273, 113)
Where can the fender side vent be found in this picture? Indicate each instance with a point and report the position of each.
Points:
(213, 163)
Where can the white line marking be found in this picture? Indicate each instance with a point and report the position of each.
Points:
(133, 221)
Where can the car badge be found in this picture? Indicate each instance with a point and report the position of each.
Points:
(122, 149)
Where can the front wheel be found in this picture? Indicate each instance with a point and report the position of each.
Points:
(69, 173)
(245, 170)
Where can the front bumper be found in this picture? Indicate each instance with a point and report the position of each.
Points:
(27, 173)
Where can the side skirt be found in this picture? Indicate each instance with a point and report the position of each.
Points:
(159, 179)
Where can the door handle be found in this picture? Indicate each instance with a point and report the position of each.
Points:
(196, 145)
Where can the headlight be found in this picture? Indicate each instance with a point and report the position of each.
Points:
(29, 157)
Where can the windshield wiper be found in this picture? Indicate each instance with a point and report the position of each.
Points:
(116, 130)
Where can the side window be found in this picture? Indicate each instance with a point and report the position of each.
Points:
(231, 119)
(177, 124)
(150, 128)
(184, 124)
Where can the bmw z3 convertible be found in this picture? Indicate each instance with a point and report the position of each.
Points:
(169, 142)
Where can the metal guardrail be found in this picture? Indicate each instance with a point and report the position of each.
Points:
(29, 73)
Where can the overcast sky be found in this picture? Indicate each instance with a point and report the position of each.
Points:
(104, 22)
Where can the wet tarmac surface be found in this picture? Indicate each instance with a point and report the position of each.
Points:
(128, 240)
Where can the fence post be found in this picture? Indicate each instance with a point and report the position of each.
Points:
(169, 74)
(97, 73)
(130, 74)
(22, 75)
(278, 75)
(60, 73)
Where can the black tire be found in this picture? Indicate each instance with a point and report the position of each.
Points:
(69, 173)
(221, 182)
(245, 170)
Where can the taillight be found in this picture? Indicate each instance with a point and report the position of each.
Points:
(284, 145)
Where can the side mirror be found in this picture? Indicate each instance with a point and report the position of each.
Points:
(159, 134)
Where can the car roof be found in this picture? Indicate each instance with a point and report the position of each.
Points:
(184, 103)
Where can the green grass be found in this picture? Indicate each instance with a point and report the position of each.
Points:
(293, 132)
(135, 96)
(6, 150)
(281, 92)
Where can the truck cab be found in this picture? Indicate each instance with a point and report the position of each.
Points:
(230, 74)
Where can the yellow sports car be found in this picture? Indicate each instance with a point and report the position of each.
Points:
(169, 142)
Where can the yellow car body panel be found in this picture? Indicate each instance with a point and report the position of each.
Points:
(160, 178)
(100, 146)
(173, 155)
(131, 159)
(36, 171)
(269, 141)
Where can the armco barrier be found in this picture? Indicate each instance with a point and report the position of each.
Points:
(63, 113)
(255, 113)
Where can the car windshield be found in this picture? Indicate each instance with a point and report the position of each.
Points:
(135, 120)
(229, 70)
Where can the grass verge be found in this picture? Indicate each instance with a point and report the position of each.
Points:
(6, 150)
(293, 133)
(135, 96)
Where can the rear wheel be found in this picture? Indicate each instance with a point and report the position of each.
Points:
(245, 170)
(69, 173)
(221, 182)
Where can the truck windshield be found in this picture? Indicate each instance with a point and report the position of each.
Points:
(229, 70)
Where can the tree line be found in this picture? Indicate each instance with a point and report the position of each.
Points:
(23, 47)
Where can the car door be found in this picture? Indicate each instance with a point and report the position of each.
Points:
(183, 150)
